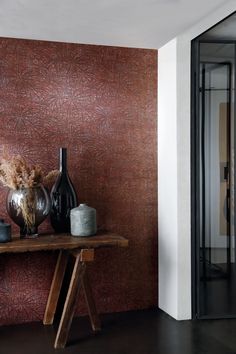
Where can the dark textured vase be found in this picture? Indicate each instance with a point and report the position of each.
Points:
(28, 208)
(63, 197)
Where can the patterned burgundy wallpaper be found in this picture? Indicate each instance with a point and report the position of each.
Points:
(100, 103)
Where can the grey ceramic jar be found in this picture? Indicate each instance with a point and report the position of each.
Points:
(83, 221)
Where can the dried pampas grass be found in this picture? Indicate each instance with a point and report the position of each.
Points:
(16, 173)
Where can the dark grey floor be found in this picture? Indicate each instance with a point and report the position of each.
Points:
(217, 290)
(140, 332)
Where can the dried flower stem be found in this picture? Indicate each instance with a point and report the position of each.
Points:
(28, 208)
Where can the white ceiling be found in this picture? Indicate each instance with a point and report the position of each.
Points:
(128, 23)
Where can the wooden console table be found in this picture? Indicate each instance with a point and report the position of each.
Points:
(82, 249)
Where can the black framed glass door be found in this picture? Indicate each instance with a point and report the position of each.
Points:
(214, 272)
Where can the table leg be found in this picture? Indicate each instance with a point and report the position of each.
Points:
(70, 303)
(55, 288)
(93, 315)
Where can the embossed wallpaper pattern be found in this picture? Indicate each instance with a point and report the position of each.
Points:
(100, 103)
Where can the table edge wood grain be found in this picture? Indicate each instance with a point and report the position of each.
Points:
(49, 242)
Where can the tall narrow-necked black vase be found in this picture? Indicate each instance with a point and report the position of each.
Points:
(63, 197)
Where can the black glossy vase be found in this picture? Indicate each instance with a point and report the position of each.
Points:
(63, 197)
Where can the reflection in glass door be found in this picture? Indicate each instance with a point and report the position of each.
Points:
(215, 282)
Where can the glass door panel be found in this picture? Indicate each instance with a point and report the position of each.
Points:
(216, 257)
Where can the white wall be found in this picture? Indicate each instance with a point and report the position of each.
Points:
(167, 179)
(174, 211)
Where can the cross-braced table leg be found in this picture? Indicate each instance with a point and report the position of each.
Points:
(55, 288)
(78, 277)
(93, 315)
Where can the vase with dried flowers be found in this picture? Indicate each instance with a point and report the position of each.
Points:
(28, 202)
